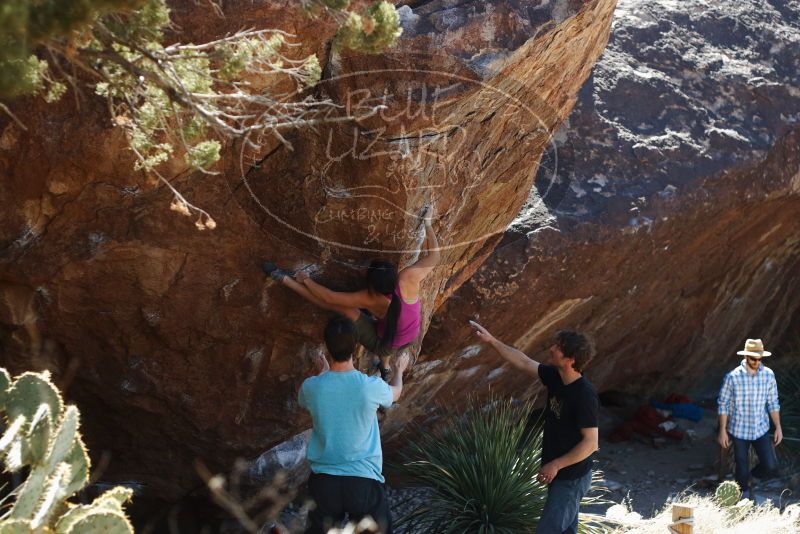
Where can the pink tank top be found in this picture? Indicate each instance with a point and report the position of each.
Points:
(408, 323)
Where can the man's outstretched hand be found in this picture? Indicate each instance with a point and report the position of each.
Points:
(481, 332)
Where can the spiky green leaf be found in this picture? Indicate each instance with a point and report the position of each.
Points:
(482, 466)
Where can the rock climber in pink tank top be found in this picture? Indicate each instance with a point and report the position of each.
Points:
(388, 313)
(409, 320)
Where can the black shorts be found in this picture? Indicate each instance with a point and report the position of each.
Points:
(335, 495)
(367, 329)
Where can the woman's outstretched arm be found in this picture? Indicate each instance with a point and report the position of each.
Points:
(424, 265)
(354, 299)
(349, 312)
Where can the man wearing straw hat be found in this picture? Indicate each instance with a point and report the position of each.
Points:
(748, 394)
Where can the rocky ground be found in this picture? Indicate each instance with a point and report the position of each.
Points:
(646, 478)
(644, 474)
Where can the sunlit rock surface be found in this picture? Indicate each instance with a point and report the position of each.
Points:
(666, 222)
(170, 340)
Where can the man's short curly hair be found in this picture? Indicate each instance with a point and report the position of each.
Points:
(575, 345)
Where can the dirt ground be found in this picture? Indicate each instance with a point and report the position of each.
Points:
(643, 474)
(647, 477)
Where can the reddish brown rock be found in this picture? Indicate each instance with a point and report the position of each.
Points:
(664, 221)
(170, 339)
(668, 303)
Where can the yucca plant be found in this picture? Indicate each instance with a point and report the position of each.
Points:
(481, 468)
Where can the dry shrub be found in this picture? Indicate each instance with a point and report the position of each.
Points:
(710, 517)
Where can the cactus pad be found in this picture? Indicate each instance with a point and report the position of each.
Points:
(78, 460)
(16, 526)
(43, 433)
(5, 383)
(12, 433)
(728, 493)
(52, 497)
(105, 522)
(114, 498)
(64, 437)
(38, 435)
(28, 392)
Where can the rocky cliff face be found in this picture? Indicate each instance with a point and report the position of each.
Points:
(170, 340)
(666, 220)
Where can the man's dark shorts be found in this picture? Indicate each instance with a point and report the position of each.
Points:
(336, 496)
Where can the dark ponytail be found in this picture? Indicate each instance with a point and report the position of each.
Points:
(390, 322)
(382, 278)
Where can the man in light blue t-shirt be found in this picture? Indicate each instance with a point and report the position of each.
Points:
(345, 447)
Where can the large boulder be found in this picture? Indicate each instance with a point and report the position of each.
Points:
(170, 339)
(666, 221)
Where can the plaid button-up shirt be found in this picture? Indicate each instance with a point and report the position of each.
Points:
(747, 400)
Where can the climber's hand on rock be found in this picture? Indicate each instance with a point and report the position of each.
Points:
(427, 215)
(481, 332)
(301, 276)
(401, 363)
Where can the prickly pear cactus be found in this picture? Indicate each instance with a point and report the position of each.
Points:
(42, 434)
(728, 493)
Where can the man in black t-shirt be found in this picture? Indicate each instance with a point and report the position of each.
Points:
(570, 424)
